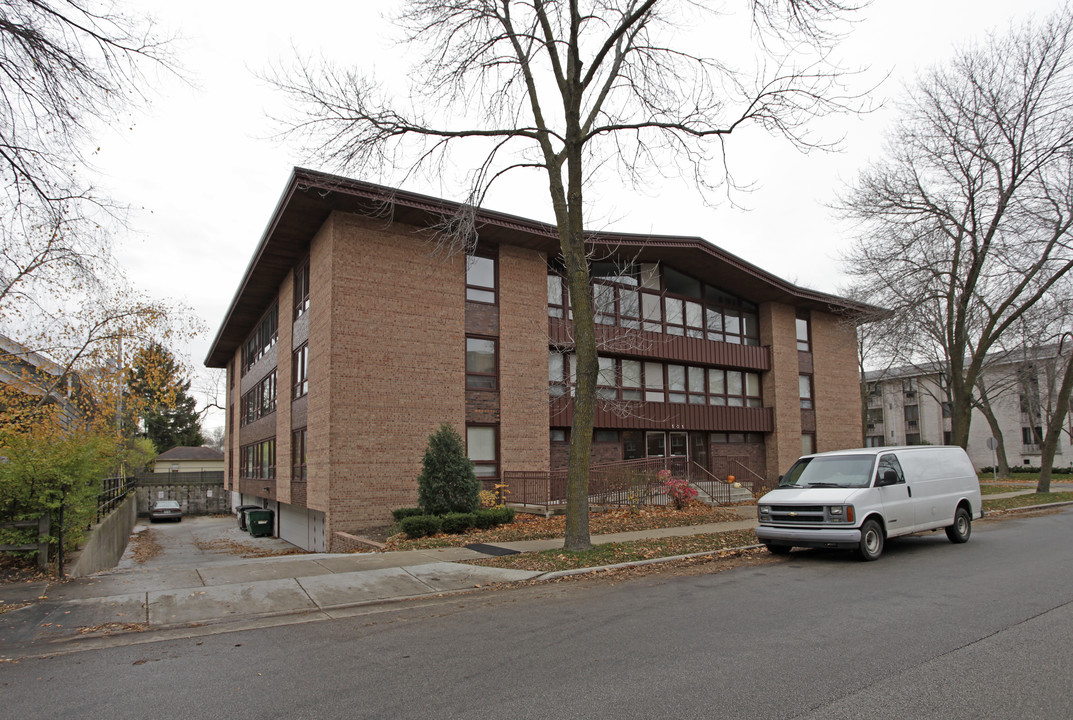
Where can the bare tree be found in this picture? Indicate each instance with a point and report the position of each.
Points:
(69, 68)
(965, 225)
(571, 89)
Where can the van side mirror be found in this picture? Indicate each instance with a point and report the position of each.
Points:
(889, 477)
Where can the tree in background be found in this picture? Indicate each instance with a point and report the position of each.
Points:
(574, 89)
(160, 401)
(447, 482)
(965, 225)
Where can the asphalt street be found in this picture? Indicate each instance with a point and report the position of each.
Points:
(932, 629)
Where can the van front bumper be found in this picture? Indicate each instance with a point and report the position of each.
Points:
(809, 537)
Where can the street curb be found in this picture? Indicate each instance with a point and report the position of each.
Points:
(1026, 508)
(556, 574)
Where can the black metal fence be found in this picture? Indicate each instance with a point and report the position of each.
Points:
(113, 491)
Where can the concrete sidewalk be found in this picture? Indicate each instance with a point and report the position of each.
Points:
(217, 593)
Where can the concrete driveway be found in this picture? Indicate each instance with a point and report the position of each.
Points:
(195, 542)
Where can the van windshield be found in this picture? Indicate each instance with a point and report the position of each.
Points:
(834, 471)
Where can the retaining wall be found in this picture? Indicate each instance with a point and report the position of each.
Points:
(106, 541)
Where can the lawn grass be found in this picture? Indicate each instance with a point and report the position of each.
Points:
(1020, 501)
(999, 489)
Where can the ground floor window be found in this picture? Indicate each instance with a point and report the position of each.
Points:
(482, 445)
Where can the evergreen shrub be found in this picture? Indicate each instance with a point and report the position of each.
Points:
(447, 483)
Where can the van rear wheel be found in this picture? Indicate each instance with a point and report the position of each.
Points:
(871, 545)
(961, 529)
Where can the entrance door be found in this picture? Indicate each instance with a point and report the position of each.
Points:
(698, 448)
(656, 444)
(679, 444)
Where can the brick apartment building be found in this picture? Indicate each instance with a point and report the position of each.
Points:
(350, 340)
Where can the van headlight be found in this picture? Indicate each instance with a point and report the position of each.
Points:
(764, 512)
(839, 513)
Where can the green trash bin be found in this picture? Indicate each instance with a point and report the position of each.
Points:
(259, 522)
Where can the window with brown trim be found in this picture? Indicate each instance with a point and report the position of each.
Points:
(300, 374)
(257, 461)
(480, 363)
(804, 384)
(298, 455)
(804, 334)
(261, 339)
(481, 279)
(301, 290)
(259, 401)
(482, 448)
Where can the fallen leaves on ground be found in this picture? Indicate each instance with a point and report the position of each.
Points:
(1019, 501)
(615, 553)
(247, 551)
(535, 527)
(145, 546)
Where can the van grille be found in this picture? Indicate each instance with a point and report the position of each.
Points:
(790, 514)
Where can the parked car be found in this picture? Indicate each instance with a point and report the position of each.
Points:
(856, 499)
(166, 510)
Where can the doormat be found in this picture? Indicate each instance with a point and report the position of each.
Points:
(491, 549)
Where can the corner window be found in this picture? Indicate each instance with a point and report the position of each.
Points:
(481, 446)
(262, 339)
(804, 385)
(301, 371)
(301, 290)
(257, 461)
(298, 455)
(480, 279)
(480, 363)
(804, 339)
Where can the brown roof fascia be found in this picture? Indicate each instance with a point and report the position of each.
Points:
(320, 193)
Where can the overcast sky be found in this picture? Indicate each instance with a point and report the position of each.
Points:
(202, 174)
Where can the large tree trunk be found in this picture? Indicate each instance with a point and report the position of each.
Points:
(1001, 462)
(1054, 427)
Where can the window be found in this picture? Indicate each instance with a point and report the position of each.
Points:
(261, 339)
(606, 436)
(481, 449)
(480, 279)
(1032, 436)
(301, 290)
(873, 441)
(556, 373)
(558, 435)
(257, 461)
(556, 305)
(631, 379)
(803, 340)
(606, 381)
(912, 438)
(259, 401)
(298, 455)
(480, 363)
(301, 371)
(804, 385)
(808, 443)
(654, 382)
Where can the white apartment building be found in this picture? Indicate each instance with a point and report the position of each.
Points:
(907, 406)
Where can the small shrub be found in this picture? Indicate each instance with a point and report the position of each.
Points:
(503, 515)
(417, 526)
(457, 523)
(406, 512)
(677, 489)
(485, 518)
(487, 499)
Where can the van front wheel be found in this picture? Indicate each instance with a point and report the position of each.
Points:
(871, 546)
(961, 529)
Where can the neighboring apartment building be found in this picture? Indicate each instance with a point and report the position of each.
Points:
(349, 341)
(34, 376)
(907, 406)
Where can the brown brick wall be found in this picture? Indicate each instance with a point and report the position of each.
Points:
(396, 369)
(284, 392)
(836, 384)
(778, 331)
(523, 360)
(321, 256)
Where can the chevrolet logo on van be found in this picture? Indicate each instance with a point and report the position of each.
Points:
(793, 514)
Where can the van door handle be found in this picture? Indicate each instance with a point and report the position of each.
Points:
(910, 490)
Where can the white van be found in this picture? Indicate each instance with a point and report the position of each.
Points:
(855, 499)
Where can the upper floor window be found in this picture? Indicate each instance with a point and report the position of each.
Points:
(301, 371)
(262, 339)
(301, 290)
(259, 401)
(804, 385)
(480, 363)
(258, 460)
(804, 339)
(480, 279)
